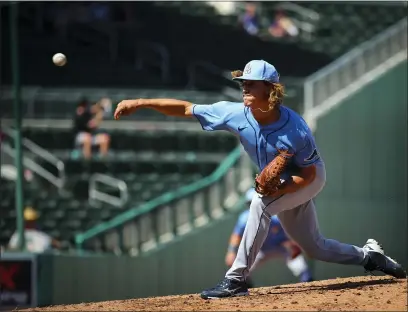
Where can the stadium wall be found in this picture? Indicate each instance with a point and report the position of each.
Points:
(364, 144)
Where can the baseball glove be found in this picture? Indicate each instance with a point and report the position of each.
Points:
(268, 181)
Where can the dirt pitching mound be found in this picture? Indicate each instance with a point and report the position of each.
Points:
(343, 294)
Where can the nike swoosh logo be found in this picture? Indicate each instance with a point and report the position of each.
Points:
(313, 156)
(240, 128)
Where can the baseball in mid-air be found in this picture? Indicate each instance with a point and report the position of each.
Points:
(59, 59)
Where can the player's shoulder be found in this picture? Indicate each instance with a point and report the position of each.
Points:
(232, 111)
(296, 120)
(222, 107)
(230, 106)
(298, 126)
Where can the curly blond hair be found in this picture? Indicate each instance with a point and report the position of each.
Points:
(277, 91)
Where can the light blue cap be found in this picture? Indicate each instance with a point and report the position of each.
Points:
(249, 194)
(259, 70)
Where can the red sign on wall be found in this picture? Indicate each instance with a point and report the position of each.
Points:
(17, 283)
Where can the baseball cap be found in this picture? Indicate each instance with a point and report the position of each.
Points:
(259, 70)
(249, 194)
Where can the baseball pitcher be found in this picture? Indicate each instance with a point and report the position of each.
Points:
(280, 143)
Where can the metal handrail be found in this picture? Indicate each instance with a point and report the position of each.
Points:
(33, 166)
(163, 54)
(95, 195)
(59, 164)
(357, 50)
(347, 59)
(58, 181)
(304, 26)
(288, 6)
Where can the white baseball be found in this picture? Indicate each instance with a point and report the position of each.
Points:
(59, 59)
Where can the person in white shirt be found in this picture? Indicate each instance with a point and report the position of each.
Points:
(36, 241)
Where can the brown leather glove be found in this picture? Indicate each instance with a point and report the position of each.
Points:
(268, 181)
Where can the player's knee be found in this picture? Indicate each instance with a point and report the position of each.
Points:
(106, 138)
(317, 252)
(86, 139)
(103, 139)
(256, 203)
(311, 253)
(314, 250)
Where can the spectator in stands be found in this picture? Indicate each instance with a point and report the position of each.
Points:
(283, 26)
(86, 128)
(36, 241)
(250, 21)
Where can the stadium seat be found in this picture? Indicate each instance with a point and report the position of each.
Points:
(150, 163)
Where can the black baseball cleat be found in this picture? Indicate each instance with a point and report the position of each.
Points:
(378, 261)
(227, 288)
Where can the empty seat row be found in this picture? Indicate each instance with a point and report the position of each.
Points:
(139, 187)
(140, 141)
(61, 102)
(62, 217)
(114, 168)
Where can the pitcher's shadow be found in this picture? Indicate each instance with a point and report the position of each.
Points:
(336, 286)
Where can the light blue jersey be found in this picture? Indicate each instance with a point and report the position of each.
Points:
(290, 133)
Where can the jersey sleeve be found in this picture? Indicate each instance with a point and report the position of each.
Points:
(212, 117)
(307, 154)
(241, 223)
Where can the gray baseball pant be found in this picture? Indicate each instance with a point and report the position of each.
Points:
(296, 212)
(297, 265)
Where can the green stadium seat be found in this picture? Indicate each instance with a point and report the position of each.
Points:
(99, 167)
(49, 204)
(48, 224)
(74, 205)
(5, 234)
(9, 213)
(150, 163)
(147, 194)
(57, 214)
(136, 187)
